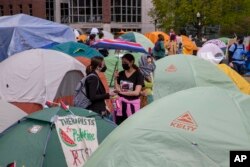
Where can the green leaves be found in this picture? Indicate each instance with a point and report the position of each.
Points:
(231, 15)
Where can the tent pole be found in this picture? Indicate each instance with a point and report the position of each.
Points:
(48, 137)
(116, 66)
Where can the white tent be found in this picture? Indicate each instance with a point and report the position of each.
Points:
(9, 114)
(211, 53)
(34, 76)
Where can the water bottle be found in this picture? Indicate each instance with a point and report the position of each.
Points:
(113, 100)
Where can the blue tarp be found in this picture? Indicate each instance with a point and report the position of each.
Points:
(22, 32)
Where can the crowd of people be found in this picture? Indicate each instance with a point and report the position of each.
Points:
(133, 87)
(238, 55)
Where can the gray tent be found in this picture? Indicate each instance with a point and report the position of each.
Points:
(9, 114)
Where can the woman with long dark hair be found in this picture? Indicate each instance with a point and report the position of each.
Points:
(172, 45)
(94, 88)
(128, 85)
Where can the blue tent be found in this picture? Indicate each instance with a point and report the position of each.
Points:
(22, 32)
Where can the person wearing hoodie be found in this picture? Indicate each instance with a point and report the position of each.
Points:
(147, 67)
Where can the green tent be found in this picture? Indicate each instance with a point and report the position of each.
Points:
(113, 61)
(179, 72)
(76, 49)
(138, 38)
(191, 128)
(224, 39)
(31, 150)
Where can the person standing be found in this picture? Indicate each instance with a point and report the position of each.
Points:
(128, 85)
(236, 56)
(172, 33)
(91, 39)
(104, 52)
(95, 90)
(159, 48)
(147, 68)
(172, 46)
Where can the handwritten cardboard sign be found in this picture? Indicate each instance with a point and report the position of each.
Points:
(78, 138)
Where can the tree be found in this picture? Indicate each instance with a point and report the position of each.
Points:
(231, 15)
(236, 17)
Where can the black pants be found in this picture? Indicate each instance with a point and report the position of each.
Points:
(120, 119)
(240, 68)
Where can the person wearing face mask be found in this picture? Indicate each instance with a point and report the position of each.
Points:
(128, 85)
(94, 88)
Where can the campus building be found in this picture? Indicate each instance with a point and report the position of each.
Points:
(30, 7)
(110, 15)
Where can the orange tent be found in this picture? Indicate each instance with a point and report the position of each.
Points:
(82, 37)
(188, 45)
(117, 34)
(153, 36)
(64, 93)
(86, 62)
(28, 107)
(121, 32)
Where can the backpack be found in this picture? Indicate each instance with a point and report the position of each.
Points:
(230, 54)
(235, 45)
(80, 96)
(157, 47)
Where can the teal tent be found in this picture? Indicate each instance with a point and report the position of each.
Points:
(191, 128)
(42, 148)
(76, 49)
(179, 72)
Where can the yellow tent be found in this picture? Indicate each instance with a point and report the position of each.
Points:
(242, 84)
(153, 36)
